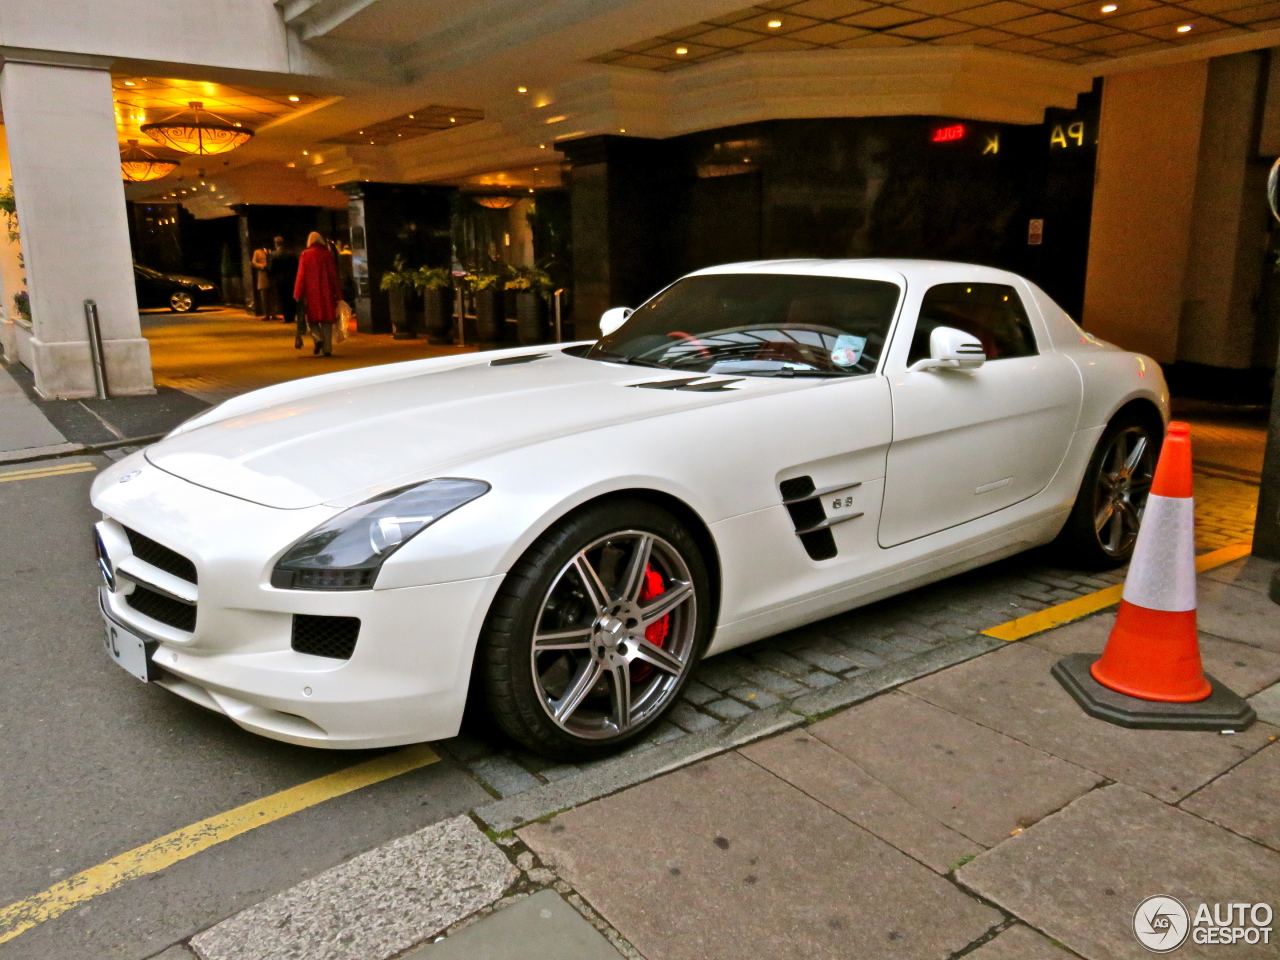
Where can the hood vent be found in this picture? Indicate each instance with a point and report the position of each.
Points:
(699, 384)
(523, 358)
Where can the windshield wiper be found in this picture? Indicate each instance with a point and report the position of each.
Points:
(609, 357)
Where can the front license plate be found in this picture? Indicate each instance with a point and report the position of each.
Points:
(129, 650)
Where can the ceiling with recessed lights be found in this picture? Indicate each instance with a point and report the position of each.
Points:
(142, 100)
(1063, 30)
(407, 126)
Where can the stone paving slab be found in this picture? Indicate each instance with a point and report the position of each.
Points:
(1011, 691)
(974, 780)
(1019, 943)
(1251, 573)
(540, 927)
(722, 860)
(1244, 668)
(1267, 704)
(1238, 613)
(837, 782)
(1246, 799)
(1079, 875)
(374, 905)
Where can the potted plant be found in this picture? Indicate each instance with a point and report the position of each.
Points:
(431, 282)
(397, 282)
(488, 292)
(531, 284)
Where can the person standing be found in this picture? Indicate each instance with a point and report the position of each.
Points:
(317, 292)
(283, 266)
(261, 285)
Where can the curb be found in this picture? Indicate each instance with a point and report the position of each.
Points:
(615, 774)
(60, 450)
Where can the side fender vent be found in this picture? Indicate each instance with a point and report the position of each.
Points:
(799, 496)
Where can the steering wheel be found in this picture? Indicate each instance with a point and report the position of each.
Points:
(690, 338)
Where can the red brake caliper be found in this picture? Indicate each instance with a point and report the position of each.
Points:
(656, 632)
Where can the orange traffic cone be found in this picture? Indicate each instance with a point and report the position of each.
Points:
(1149, 675)
(1154, 649)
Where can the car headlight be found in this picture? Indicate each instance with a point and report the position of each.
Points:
(347, 551)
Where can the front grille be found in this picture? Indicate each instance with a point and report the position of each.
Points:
(157, 606)
(325, 636)
(161, 557)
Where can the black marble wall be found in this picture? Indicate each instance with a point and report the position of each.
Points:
(647, 211)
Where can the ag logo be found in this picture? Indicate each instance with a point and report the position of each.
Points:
(1161, 924)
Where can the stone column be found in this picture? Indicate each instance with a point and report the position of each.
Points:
(65, 159)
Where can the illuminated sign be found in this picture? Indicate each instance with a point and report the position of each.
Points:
(949, 134)
(993, 144)
(1073, 135)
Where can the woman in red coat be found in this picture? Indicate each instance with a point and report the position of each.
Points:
(317, 293)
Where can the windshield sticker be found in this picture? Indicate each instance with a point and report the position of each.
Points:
(848, 350)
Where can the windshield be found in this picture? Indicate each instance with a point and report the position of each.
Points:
(763, 324)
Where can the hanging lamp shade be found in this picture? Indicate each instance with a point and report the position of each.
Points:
(138, 164)
(496, 202)
(198, 131)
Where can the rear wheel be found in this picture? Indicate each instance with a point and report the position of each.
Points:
(595, 630)
(1103, 527)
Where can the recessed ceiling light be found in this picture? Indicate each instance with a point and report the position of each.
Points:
(411, 116)
(1185, 28)
(622, 129)
(774, 24)
(542, 146)
(453, 119)
(294, 98)
(681, 51)
(1110, 8)
(522, 89)
(304, 153)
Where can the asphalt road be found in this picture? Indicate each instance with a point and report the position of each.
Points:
(95, 762)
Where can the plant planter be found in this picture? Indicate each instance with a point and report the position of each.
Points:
(437, 316)
(401, 325)
(489, 319)
(531, 317)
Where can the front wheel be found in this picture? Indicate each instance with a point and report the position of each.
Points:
(181, 302)
(595, 630)
(1103, 527)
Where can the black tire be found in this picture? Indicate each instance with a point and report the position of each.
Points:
(1082, 542)
(544, 590)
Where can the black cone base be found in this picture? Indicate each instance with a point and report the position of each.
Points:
(1221, 710)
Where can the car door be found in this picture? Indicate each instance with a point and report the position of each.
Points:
(968, 443)
(148, 291)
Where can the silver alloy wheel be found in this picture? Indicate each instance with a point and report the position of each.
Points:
(181, 302)
(1124, 480)
(609, 651)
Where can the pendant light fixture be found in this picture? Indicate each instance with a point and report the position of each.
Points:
(496, 202)
(198, 131)
(138, 164)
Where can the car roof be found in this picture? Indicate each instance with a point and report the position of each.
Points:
(871, 268)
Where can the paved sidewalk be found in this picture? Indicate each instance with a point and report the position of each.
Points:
(978, 805)
(972, 812)
(24, 430)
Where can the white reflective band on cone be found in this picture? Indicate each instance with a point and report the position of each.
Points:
(1162, 574)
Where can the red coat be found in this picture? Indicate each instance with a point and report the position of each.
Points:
(317, 284)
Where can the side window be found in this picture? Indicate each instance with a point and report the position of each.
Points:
(992, 312)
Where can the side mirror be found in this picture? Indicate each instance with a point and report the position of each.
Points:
(611, 320)
(954, 349)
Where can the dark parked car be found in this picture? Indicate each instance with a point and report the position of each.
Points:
(179, 293)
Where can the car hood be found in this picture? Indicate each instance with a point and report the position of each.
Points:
(359, 439)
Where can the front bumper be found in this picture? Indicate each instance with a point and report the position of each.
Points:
(405, 682)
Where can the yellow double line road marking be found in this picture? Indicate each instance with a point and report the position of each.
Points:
(38, 472)
(155, 856)
(1093, 602)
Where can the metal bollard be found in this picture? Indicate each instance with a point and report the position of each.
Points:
(95, 350)
(559, 336)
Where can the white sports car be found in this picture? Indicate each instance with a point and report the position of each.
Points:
(564, 531)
